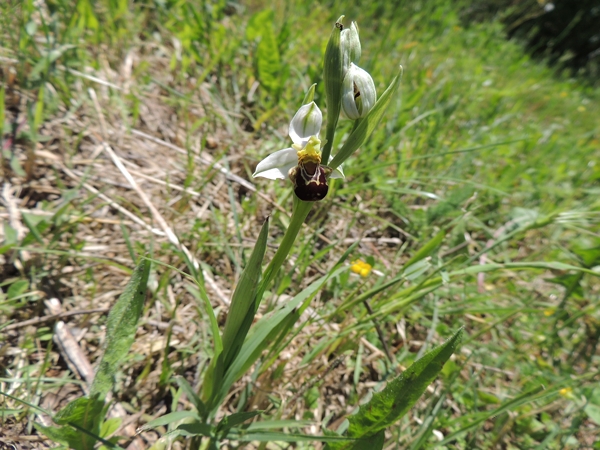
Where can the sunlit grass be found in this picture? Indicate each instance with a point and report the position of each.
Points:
(482, 142)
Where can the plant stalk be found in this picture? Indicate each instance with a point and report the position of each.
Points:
(299, 214)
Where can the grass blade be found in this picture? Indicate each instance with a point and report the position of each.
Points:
(243, 300)
(524, 398)
(243, 306)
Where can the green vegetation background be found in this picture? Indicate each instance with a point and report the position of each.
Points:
(482, 141)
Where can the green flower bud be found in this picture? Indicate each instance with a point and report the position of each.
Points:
(350, 44)
(358, 93)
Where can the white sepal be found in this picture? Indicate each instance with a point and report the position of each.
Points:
(277, 164)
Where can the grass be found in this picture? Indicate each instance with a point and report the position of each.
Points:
(495, 150)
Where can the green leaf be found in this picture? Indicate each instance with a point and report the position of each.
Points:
(371, 443)
(257, 22)
(85, 17)
(274, 424)
(589, 253)
(426, 249)
(56, 434)
(593, 412)
(38, 115)
(270, 324)
(121, 328)
(191, 394)
(170, 418)
(244, 304)
(243, 301)
(16, 167)
(388, 406)
(268, 61)
(234, 419)
(268, 436)
(511, 404)
(46, 60)
(83, 413)
(79, 410)
(110, 426)
(34, 224)
(17, 289)
(11, 236)
(571, 281)
(367, 124)
(195, 429)
(199, 292)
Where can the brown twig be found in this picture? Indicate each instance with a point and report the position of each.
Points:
(386, 349)
(51, 317)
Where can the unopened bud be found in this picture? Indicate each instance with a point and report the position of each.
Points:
(358, 93)
(350, 44)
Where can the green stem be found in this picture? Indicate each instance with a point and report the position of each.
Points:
(330, 134)
(301, 210)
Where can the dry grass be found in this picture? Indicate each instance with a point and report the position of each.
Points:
(145, 159)
(78, 153)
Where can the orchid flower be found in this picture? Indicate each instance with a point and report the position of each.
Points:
(302, 161)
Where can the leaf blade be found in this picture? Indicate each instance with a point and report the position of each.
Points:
(389, 405)
(121, 327)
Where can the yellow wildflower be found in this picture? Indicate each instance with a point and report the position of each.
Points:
(360, 267)
(566, 392)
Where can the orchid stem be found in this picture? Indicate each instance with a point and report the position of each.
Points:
(299, 214)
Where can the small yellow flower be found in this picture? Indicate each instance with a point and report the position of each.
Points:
(360, 267)
(566, 392)
(549, 312)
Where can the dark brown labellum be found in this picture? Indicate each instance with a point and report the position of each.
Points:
(310, 181)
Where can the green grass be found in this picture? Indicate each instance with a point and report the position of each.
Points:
(482, 143)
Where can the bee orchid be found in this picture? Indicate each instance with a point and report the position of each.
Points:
(302, 161)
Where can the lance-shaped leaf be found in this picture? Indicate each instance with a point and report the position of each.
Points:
(333, 77)
(121, 327)
(244, 304)
(389, 405)
(275, 323)
(244, 298)
(81, 414)
(82, 417)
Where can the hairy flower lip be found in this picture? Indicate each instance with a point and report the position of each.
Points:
(310, 181)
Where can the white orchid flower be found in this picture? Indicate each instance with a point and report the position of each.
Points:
(302, 161)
